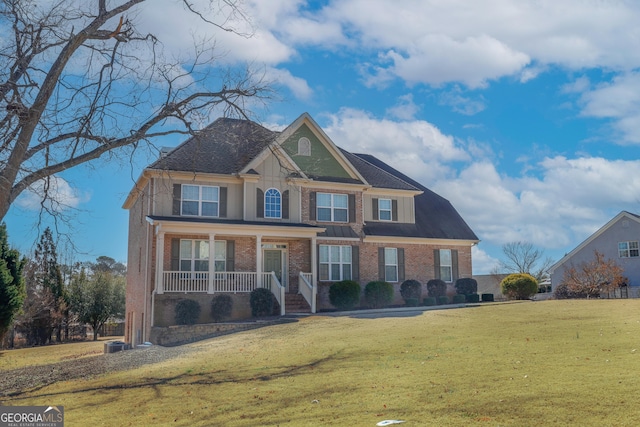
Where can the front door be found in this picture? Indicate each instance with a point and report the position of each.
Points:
(273, 262)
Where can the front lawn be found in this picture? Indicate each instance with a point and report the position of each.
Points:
(527, 364)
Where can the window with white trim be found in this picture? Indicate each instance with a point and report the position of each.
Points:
(335, 262)
(200, 200)
(446, 265)
(194, 255)
(272, 203)
(628, 249)
(384, 209)
(390, 264)
(332, 207)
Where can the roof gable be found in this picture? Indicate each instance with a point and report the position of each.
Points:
(602, 230)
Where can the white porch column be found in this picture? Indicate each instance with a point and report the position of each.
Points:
(212, 261)
(160, 262)
(259, 261)
(314, 262)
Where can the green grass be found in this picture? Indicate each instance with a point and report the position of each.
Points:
(530, 364)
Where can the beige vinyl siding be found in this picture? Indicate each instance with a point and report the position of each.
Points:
(406, 208)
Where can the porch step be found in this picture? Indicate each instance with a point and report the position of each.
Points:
(295, 303)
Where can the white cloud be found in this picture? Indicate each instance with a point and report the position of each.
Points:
(405, 109)
(460, 103)
(296, 85)
(60, 196)
(482, 261)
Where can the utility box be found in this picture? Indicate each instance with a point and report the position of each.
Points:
(113, 346)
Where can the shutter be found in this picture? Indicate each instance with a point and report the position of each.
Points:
(454, 265)
(312, 206)
(177, 194)
(231, 255)
(175, 254)
(394, 210)
(355, 263)
(318, 261)
(436, 263)
(223, 203)
(285, 204)
(259, 203)
(374, 207)
(400, 265)
(352, 208)
(381, 264)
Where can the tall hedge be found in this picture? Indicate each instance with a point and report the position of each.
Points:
(378, 294)
(436, 288)
(466, 286)
(411, 289)
(344, 295)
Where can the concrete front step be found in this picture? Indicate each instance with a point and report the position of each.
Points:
(295, 303)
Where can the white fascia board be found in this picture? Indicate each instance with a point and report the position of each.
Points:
(177, 227)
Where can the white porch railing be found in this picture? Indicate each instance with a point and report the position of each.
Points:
(308, 291)
(228, 281)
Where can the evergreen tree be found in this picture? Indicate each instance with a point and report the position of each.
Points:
(12, 289)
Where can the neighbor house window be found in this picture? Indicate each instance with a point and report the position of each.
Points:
(304, 146)
(390, 264)
(335, 262)
(200, 200)
(194, 255)
(332, 207)
(628, 249)
(446, 267)
(272, 204)
(384, 209)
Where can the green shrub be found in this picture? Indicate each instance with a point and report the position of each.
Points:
(187, 312)
(473, 298)
(221, 307)
(344, 295)
(429, 301)
(459, 299)
(412, 302)
(436, 288)
(519, 286)
(378, 294)
(443, 299)
(466, 286)
(487, 297)
(411, 289)
(262, 302)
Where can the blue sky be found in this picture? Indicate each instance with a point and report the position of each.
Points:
(524, 114)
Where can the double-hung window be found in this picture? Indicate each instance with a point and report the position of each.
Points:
(384, 209)
(272, 204)
(194, 255)
(332, 207)
(628, 249)
(200, 200)
(335, 262)
(390, 264)
(446, 265)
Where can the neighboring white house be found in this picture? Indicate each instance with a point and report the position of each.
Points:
(617, 239)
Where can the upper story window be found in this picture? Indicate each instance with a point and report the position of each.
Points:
(384, 209)
(200, 200)
(332, 207)
(628, 249)
(446, 265)
(272, 203)
(335, 262)
(304, 146)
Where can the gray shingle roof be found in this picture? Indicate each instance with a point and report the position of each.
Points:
(226, 146)
(376, 176)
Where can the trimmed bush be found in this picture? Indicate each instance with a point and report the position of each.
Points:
(221, 307)
(487, 297)
(378, 294)
(436, 288)
(411, 289)
(187, 312)
(466, 286)
(473, 298)
(443, 299)
(262, 302)
(429, 301)
(344, 295)
(519, 286)
(412, 302)
(459, 299)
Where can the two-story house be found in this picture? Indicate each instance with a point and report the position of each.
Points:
(240, 206)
